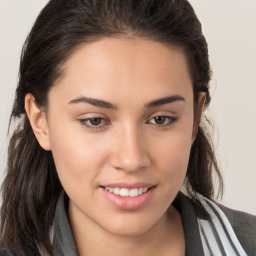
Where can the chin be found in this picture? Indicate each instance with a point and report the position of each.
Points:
(130, 226)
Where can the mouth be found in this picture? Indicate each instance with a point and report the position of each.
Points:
(125, 192)
(128, 197)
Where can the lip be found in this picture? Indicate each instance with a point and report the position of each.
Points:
(128, 185)
(128, 203)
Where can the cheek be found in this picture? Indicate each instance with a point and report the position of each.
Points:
(74, 156)
(171, 155)
(174, 158)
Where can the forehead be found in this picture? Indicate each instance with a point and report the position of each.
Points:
(125, 68)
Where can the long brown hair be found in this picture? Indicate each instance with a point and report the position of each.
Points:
(31, 187)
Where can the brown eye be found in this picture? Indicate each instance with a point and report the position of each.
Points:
(95, 121)
(160, 119)
(163, 120)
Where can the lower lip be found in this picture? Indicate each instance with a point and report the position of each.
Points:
(128, 203)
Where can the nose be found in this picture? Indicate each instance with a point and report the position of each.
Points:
(130, 152)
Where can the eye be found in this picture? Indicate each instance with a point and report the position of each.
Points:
(162, 120)
(94, 122)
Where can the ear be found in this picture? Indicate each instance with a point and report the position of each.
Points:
(198, 113)
(38, 121)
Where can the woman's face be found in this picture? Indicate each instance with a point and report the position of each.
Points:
(120, 123)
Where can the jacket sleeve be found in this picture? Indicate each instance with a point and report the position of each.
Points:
(244, 225)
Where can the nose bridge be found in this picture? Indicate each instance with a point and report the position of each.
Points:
(130, 151)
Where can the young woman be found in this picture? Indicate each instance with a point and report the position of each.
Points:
(109, 104)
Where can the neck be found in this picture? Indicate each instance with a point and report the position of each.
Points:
(166, 237)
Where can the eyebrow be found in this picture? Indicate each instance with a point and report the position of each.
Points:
(108, 105)
(165, 100)
(94, 102)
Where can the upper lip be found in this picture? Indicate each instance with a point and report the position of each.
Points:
(128, 185)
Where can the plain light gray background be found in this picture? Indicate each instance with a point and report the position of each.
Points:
(229, 26)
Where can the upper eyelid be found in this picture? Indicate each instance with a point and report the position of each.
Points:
(162, 113)
(91, 115)
(94, 117)
(167, 116)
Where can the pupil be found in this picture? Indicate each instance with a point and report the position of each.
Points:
(160, 119)
(95, 121)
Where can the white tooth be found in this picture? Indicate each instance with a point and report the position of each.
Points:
(134, 192)
(117, 191)
(124, 192)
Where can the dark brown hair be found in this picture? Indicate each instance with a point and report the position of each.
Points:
(31, 187)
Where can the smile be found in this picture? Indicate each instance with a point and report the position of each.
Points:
(128, 197)
(125, 192)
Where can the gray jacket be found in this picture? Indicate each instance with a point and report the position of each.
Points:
(243, 224)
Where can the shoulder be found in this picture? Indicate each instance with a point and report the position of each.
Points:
(244, 225)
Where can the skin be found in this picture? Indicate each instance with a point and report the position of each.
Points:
(127, 145)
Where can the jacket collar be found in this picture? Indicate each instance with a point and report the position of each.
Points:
(188, 212)
(63, 239)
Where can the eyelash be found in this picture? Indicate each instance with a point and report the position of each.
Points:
(168, 120)
(101, 126)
